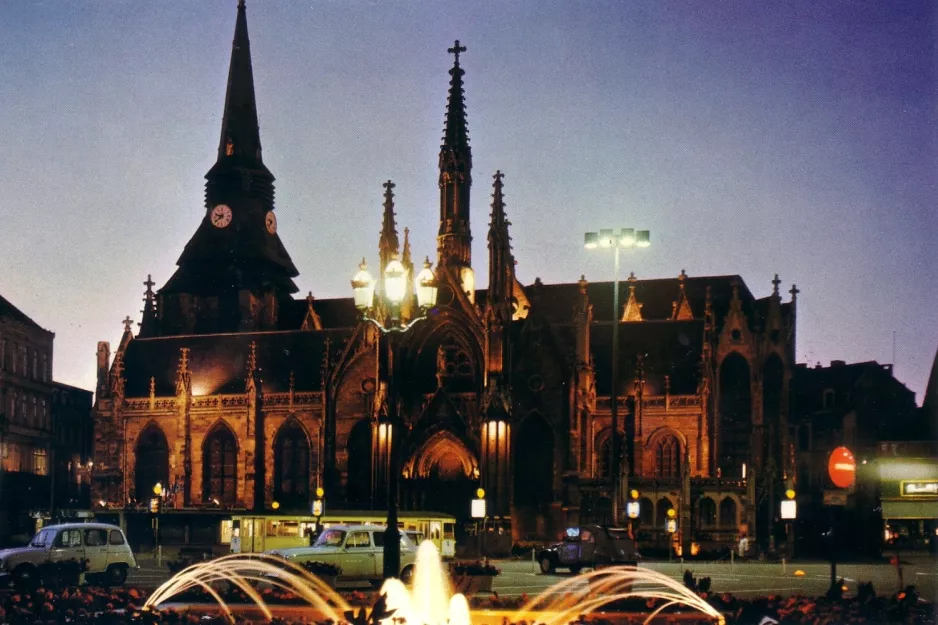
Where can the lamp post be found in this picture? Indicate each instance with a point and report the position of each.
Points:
(392, 326)
(156, 505)
(626, 238)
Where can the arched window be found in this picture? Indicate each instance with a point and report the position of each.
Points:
(661, 512)
(291, 467)
(220, 467)
(603, 452)
(708, 512)
(668, 457)
(735, 418)
(358, 487)
(728, 512)
(151, 462)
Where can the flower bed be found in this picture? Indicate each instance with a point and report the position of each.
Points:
(473, 567)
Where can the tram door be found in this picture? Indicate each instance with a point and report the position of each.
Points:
(252, 535)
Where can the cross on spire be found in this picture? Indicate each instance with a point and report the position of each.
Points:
(388, 185)
(498, 176)
(455, 50)
(128, 323)
(775, 283)
(149, 284)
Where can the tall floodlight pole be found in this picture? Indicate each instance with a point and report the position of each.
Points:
(625, 238)
(387, 318)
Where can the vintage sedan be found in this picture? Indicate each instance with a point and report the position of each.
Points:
(589, 546)
(356, 549)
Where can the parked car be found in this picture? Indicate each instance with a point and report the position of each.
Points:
(103, 547)
(358, 550)
(589, 546)
(415, 536)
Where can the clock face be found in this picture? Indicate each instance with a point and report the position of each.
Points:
(221, 216)
(271, 222)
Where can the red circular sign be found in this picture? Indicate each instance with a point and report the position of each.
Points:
(842, 467)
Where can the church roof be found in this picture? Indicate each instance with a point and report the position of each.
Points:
(668, 348)
(218, 362)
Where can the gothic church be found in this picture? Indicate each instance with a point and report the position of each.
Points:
(235, 394)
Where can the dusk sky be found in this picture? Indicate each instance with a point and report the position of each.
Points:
(751, 138)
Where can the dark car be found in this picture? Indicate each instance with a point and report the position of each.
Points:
(589, 546)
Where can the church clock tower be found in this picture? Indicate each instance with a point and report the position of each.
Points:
(235, 271)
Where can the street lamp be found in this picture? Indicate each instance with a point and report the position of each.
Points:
(625, 238)
(387, 318)
(156, 504)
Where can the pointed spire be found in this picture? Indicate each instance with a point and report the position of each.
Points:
(775, 283)
(183, 376)
(148, 320)
(501, 261)
(454, 241)
(388, 244)
(681, 310)
(311, 321)
(633, 308)
(240, 137)
(406, 258)
(456, 129)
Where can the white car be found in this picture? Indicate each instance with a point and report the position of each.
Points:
(356, 549)
(103, 546)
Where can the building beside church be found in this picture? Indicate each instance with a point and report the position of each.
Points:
(45, 431)
(234, 394)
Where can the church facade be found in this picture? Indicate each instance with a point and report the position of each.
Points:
(234, 394)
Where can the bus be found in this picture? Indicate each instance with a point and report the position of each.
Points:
(254, 533)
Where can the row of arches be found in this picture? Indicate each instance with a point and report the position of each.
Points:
(220, 464)
(655, 513)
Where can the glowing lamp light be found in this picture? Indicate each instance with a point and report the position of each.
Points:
(591, 240)
(606, 238)
(799, 573)
(426, 286)
(790, 493)
(634, 493)
(643, 238)
(480, 493)
(275, 505)
(395, 282)
(363, 286)
(320, 491)
(627, 238)
(158, 489)
(671, 513)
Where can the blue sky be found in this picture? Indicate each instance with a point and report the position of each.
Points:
(796, 138)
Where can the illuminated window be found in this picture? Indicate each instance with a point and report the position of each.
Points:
(40, 461)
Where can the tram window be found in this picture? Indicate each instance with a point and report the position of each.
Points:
(449, 530)
(435, 530)
(227, 528)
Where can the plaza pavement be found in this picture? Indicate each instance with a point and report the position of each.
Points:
(742, 578)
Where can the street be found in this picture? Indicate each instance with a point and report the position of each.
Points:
(739, 578)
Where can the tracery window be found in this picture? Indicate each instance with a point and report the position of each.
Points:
(152, 462)
(668, 457)
(220, 467)
(291, 469)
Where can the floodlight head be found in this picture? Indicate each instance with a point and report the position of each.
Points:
(643, 238)
(591, 240)
(606, 238)
(627, 237)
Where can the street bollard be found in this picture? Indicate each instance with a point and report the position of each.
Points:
(534, 559)
(783, 565)
(159, 556)
(732, 558)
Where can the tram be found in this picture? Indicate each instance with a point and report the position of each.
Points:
(254, 533)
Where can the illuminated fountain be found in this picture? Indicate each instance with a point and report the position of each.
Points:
(566, 600)
(240, 570)
(430, 599)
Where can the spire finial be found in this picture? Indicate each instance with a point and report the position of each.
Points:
(128, 322)
(775, 283)
(455, 50)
